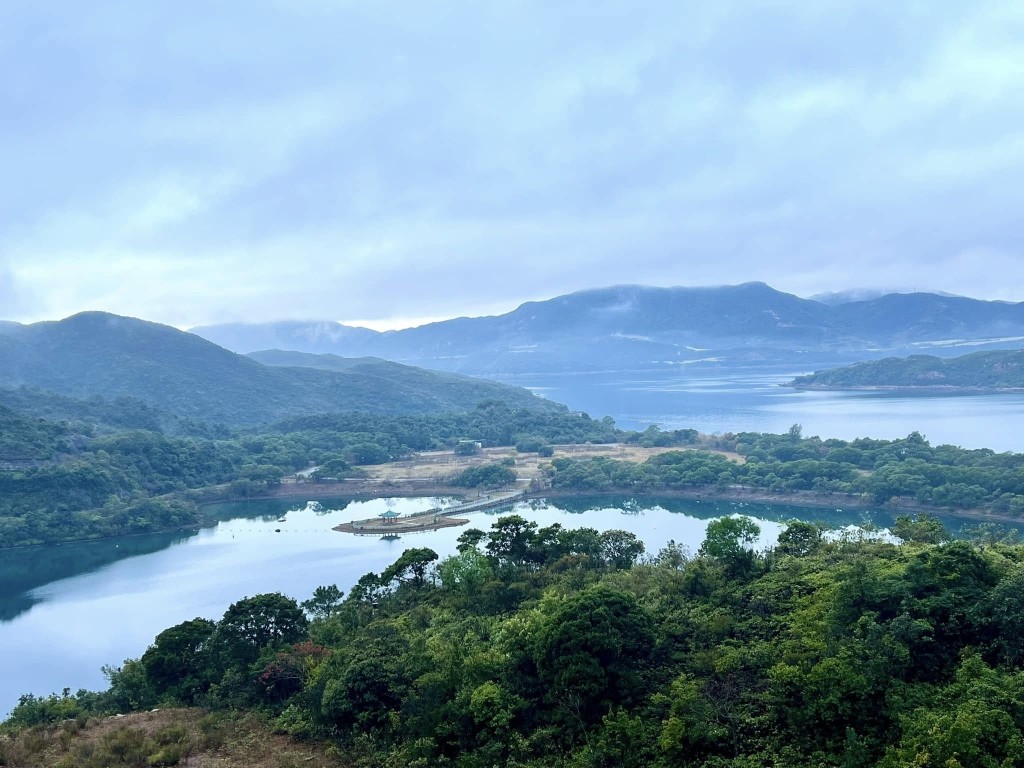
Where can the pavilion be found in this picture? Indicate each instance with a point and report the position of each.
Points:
(389, 517)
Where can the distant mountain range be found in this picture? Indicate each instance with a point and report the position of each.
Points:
(982, 371)
(179, 373)
(637, 328)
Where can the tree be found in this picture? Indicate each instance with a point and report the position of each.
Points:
(367, 453)
(799, 538)
(589, 650)
(368, 589)
(486, 476)
(621, 549)
(728, 537)
(129, 687)
(177, 661)
(972, 723)
(324, 602)
(922, 529)
(410, 568)
(464, 573)
(728, 540)
(469, 539)
(254, 623)
(510, 539)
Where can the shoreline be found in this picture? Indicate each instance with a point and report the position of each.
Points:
(920, 389)
(807, 499)
(375, 490)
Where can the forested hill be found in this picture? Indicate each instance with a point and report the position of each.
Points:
(27, 439)
(96, 353)
(999, 370)
(541, 647)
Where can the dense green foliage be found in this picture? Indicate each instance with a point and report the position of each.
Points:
(1003, 369)
(103, 482)
(77, 480)
(491, 423)
(878, 470)
(485, 476)
(553, 647)
(26, 439)
(97, 414)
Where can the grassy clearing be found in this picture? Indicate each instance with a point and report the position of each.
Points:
(191, 738)
(439, 465)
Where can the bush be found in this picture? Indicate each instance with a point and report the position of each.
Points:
(487, 476)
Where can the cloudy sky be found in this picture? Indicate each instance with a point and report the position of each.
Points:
(193, 162)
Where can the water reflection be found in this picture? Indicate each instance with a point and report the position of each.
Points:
(66, 611)
(742, 400)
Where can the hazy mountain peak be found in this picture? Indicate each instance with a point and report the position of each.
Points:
(302, 335)
(851, 295)
(637, 327)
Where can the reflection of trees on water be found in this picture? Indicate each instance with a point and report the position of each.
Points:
(25, 569)
(831, 518)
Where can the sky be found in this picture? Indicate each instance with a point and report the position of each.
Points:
(389, 162)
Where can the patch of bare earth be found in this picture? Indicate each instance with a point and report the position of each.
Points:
(439, 465)
(191, 738)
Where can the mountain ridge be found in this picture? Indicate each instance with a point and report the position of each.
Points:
(636, 327)
(97, 353)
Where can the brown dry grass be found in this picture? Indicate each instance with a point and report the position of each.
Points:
(438, 465)
(202, 740)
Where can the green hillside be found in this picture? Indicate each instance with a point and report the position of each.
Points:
(545, 647)
(96, 411)
(23, 438)
(1001, 370)
(100, 354)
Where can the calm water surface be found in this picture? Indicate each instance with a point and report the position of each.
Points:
(752, 400)
(65, 611)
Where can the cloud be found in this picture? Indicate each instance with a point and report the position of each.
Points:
(14, 300)
(350, 160)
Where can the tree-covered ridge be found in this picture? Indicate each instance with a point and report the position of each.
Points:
(117, 482)
(187, 377)
(95, 414)
(981, 370)
(112, 483)
(877, 470)
(551, 647)
(27, 439)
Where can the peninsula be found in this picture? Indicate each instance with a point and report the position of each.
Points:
(999, 371)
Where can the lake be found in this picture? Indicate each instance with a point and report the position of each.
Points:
(67, 610)
(752, 400)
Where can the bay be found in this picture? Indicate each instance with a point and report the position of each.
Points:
(753, 400)
(67, 610)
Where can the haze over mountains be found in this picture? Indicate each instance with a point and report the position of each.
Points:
(638, 327)
(95, 353)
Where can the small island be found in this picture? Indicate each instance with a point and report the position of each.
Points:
(390, 522)
(980, 372)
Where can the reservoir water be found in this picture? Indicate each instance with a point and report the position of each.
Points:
(67, 610)
(752, 400)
